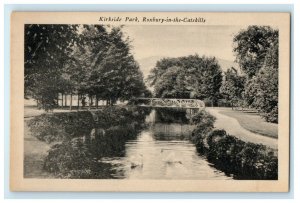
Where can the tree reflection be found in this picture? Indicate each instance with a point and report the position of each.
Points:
(80, 157)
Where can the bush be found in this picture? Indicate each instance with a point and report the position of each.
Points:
(119, 116)
(244, 160)
(231, 155)
(61, 126)
(70, 159)
(203, 117)
(223, 148)
(205, 124)
(272, 116)
(214, 137)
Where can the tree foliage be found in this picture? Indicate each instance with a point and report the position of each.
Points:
(262, 90)
(112, 71)
(233, 86)
(257, 54)
(47, 50)
(251, 46)
(92, 60)
(187, 77)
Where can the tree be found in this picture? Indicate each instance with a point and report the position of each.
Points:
(209, 80)
(187, 77)
(266, 98)
(168, 86)
(91, 60)
(47, 49)
(119, 76)
(105, 66)
(86, 70)
(257, 54)
(232, 86)
(251, 46)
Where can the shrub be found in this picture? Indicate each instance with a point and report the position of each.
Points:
(205, 124)
(61, 126)
(214, 137)
(222, 148)
(244, 160)
(231, 155)
(119, 116)
(203, 117)
(70, 159)
(272, 116)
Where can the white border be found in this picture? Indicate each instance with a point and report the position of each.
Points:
(296, 70)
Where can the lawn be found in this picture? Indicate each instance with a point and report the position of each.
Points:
(253, 122)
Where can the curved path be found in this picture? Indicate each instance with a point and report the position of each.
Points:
(232, 127)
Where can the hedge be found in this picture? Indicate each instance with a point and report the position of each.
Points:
(242, 160)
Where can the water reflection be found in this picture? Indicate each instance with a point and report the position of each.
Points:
(162, 151)
(169, 124)
(138, 144)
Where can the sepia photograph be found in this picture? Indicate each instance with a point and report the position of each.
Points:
(153, 97)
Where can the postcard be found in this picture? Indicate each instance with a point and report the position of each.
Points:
(150, 101)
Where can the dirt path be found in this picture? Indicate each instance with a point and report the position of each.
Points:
(232, 127)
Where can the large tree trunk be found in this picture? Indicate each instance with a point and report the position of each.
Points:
(62, 100)
(90, 102)
(65, 100)
(71, 102)
(77, 101)
(82, 98)
(97, 100)
(57, 100)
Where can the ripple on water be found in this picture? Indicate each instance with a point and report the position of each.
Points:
(149, 158)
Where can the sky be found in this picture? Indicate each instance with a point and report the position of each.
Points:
(174, 40)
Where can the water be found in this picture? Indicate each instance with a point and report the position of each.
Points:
(162, 151)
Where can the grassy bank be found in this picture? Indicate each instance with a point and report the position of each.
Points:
(253, 122)
(235, 157)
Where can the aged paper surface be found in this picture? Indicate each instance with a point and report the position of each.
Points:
(145, 24)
